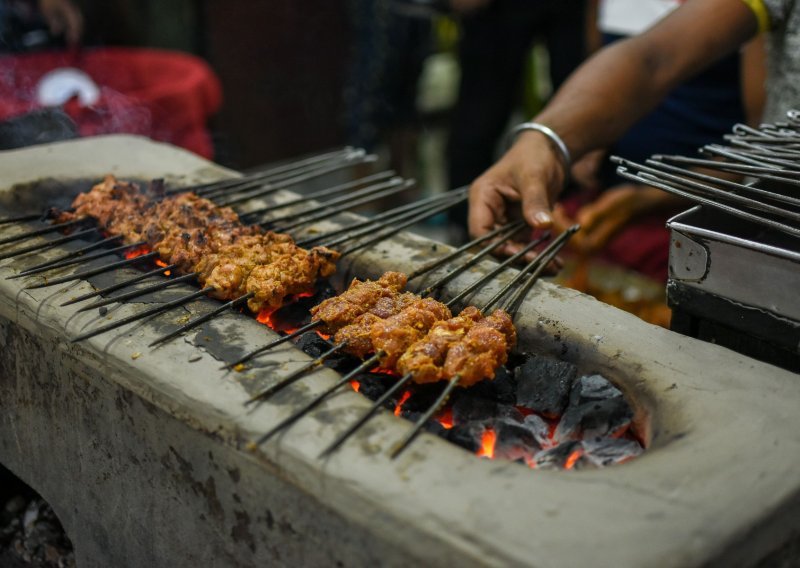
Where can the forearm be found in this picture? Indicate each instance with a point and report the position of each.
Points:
(623, 82)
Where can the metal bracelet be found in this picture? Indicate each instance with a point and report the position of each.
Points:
(566, 159)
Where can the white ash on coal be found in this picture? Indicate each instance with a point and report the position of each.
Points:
(596, 408)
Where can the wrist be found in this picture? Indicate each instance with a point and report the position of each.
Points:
(557, 147)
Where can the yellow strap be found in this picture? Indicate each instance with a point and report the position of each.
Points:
(761, 14)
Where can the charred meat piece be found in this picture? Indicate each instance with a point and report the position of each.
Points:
(426, 358)
(483, 349)
(397, 333)
(358, 299)
(358, 334)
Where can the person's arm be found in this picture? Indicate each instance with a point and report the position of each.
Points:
(601, 101)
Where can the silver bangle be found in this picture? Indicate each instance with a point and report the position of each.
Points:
(566, 159)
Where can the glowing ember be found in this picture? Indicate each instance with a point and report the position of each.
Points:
(488, 441)
(355, 384)
(446, 418)
(573, 458)
(162, 264)
(265, 317)
(399, 408)
(138, 251)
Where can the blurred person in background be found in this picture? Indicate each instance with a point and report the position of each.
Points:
(618, 87)
(22, 23)
(386, 59)
(625, 222)
(495, 43)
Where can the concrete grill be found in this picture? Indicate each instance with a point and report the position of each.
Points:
(142, 452)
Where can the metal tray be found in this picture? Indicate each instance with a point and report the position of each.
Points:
(719, 254)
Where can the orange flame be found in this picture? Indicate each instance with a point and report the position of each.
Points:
(356, 385)
(138, 251)
(488, 441)
(163, 264)
(399, 408)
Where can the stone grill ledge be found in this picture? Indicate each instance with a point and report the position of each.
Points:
(143, 456)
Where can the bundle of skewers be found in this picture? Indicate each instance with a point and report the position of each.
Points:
(413, 336)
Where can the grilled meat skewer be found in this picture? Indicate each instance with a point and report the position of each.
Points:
(198, 236)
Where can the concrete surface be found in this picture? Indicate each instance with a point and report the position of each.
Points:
(141, 452)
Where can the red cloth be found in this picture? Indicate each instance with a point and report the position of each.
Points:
(642, 246)
(167, 96)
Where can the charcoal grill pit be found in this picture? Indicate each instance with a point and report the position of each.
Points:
(141, 452)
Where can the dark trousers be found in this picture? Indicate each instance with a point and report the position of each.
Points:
(493, 49)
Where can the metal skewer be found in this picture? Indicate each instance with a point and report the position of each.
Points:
(477, 257)
(323, 211)
(376, 406)
(420, 424)
(715, 192)
(92, 272)
(494, 272)
(763, 221)
(61, 262)
(378, 219)
(149, 312)
(48, 244)
(44, 231)
(541, 261)
(260, 192)
(204, 318)
(295, 376)
(140, 292)
(395, 228)
(204, 188)
(21, 218)
(531, 272)
(317, 400)
(120, 285)
(341, 188)
(464, 248)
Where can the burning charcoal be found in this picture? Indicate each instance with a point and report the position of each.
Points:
(592, 387)
(539, 427)
(593, 419)
(558, 457)
(468, 436)
(422, 397)
(514, 440)
(606, 451)
(314, 346)
(431, 426)
(544, 385)
(475, 409)
(373, 385)
(503, 388)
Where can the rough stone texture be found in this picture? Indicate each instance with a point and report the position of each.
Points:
(142, 457)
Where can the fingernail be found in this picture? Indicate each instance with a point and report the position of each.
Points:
(542, 218)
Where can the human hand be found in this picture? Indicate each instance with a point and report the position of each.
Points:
(525, 182)
(63, 17)
(467, 6)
